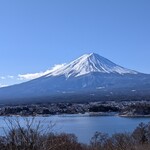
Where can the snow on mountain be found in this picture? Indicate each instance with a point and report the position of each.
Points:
(89, 75)
(89, 63)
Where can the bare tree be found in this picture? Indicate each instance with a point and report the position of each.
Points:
(29, 134)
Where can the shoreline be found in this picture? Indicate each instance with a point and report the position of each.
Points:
(86, 114)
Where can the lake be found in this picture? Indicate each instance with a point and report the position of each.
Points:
(84, 127)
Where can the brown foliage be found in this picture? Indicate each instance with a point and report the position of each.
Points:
(34, 137)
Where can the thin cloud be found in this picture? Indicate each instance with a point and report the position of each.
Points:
(30, 76)
(55, 67)
(7, 77)
(10, 77)
(3, 85)
(2, 78)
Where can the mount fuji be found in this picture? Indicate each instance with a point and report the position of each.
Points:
(89, 63)
(91, 77)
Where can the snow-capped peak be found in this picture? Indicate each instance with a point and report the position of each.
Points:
(89, 63)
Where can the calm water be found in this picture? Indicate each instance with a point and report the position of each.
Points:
(85, 127)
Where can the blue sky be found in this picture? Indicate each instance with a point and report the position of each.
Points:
(35, 35)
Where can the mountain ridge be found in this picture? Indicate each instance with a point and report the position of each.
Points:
(88, 63)
(88, 75)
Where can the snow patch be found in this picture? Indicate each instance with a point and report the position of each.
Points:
(99, 88)
(133, 90)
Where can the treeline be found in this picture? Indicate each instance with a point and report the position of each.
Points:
(136, 109)
(33, 137)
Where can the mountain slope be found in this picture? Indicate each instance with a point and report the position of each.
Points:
(90, 63)
(88, 75)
